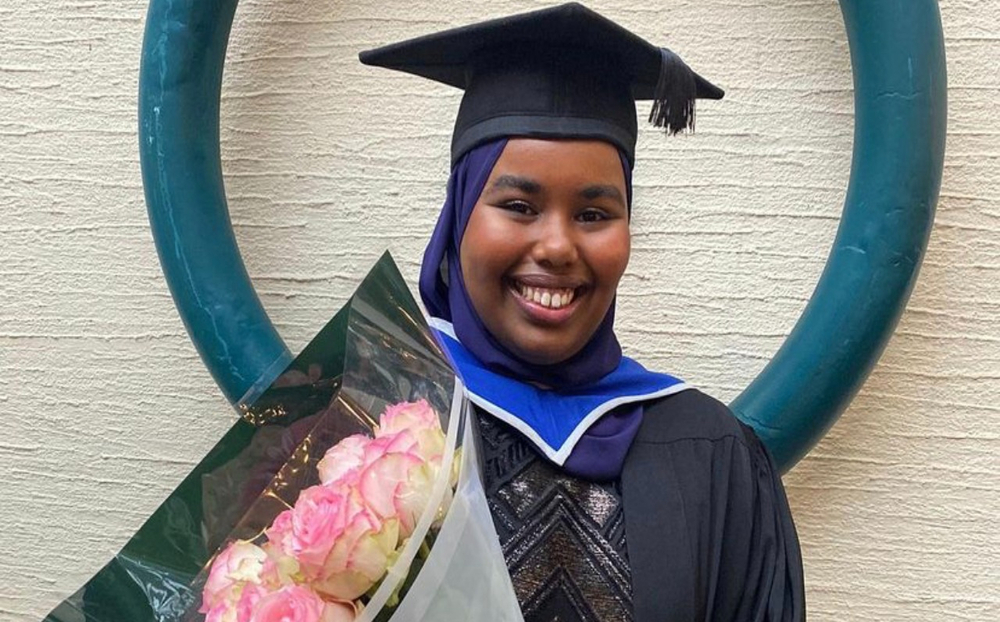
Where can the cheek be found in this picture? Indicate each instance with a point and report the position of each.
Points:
(611, 255)
(485, 253)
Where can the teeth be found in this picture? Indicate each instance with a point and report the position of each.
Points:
(550, 298)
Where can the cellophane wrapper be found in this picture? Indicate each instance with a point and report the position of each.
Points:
(377, 351)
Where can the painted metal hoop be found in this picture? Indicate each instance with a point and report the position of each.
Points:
(897, 53)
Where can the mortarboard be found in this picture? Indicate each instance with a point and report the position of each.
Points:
(561, 72)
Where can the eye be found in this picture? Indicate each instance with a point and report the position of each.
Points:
(518, 207)
(593, 215)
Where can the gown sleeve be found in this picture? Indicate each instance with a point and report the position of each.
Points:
(753, 556)
(712, 532)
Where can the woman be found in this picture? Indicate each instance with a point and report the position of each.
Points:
(617, 493)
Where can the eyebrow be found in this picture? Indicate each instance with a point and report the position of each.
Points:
(528, 186)
(598, 192)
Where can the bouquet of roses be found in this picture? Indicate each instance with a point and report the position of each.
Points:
(336, 543)
(349, 490)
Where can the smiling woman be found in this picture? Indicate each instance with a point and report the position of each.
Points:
(617, 493)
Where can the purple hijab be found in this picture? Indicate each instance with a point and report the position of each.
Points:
(601, 451)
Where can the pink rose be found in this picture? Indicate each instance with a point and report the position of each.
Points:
(361, 554)
(299, 604)
(280, 567)
(388, 471)
(395, 481)
(343, 459)
(421, 420)
(341, 546)
(239, 564)
(319, 517)
(280, 531)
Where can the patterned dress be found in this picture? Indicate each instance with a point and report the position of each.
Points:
(563, 537)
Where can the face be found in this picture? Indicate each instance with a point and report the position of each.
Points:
(546, 245)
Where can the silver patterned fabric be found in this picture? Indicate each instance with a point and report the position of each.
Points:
(563, 537)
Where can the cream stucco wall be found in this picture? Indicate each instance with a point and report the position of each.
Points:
(106, 406)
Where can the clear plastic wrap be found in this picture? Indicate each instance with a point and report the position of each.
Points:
(375, 352)
(465, 572)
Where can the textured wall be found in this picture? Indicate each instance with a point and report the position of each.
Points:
(106, 405)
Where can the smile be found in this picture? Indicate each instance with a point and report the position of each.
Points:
(550, 298)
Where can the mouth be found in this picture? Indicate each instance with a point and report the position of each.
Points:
(545, 302)
(548, 297)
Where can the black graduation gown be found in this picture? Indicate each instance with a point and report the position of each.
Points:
(709, 533)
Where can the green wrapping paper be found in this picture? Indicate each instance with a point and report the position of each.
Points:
(375, 351)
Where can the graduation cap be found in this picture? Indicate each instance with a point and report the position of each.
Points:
(561, 72)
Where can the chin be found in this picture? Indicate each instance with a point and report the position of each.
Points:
(544, 353)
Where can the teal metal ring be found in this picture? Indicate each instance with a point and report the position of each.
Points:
(897, 53)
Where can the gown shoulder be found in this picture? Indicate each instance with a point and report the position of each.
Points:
(692, 415)
(705, 507)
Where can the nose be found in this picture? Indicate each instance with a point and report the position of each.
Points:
(556, 244)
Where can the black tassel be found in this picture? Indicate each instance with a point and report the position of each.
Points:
(673, 105)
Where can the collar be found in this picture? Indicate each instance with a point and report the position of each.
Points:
(554, 421)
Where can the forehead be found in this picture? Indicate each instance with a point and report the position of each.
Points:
(561, 162)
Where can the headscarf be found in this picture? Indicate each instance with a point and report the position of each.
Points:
(599, 453)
